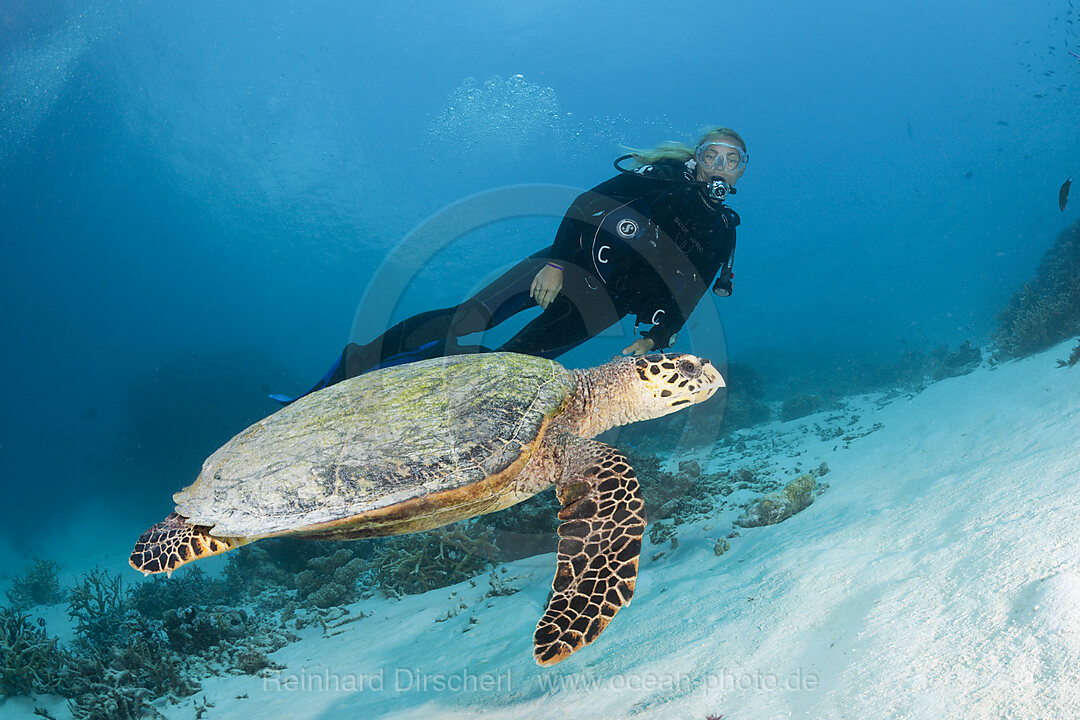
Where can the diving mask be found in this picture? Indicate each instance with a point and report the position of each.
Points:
(721, 157)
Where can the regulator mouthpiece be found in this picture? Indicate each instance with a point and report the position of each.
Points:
(718, 189)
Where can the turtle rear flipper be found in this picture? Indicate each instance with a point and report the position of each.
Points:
(174, 542)
(603, 518)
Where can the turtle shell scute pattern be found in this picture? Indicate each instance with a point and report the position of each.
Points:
(376, 440)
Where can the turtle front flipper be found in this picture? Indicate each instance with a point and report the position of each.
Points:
(603, 518)
(174, 542)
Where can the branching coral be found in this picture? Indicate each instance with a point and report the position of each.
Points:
(38, 585)
(107, 694)
(537, 515)
(96, 604)
(30, 660)
(123, 656)
(134, 645)
(413, 564)
(126, 677)
(156, 640)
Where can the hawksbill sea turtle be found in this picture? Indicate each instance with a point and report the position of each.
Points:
(414, 447)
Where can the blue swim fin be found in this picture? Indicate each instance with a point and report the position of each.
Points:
(286, 400)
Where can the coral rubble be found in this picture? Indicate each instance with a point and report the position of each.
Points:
(796, 496)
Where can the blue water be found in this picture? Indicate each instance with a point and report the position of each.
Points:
(194, 195)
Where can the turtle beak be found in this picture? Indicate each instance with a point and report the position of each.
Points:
(709, 382)
(713, 380)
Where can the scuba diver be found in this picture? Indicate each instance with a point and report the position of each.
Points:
(646, 242)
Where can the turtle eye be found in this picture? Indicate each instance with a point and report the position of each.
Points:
(689, 368)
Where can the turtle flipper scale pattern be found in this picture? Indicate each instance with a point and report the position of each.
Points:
(174, 542)
(603, 518)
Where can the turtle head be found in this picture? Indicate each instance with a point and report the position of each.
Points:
(627, 390)
(673, 381)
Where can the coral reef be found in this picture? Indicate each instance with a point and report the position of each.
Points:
(267, 565)
(131, 646)
(157, 595)
(412, 564)
(157, 640)
(195, 630)
(1046, 309)
(796, 496)
(122, 658)
(108, 701)
(96, 606)
(38, 585)
(30, 661)
(538, 515)
(120, 682)
(677, 496)
(660, 532)
(331, 579)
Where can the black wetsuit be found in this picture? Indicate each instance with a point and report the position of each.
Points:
(635, 244)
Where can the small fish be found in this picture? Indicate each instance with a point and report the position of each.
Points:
(1063, 194)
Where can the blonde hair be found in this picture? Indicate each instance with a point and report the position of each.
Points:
(674, 150)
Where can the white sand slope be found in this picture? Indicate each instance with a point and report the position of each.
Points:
(938, 577)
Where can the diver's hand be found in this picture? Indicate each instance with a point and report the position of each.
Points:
(546, 285)
(639, 347)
